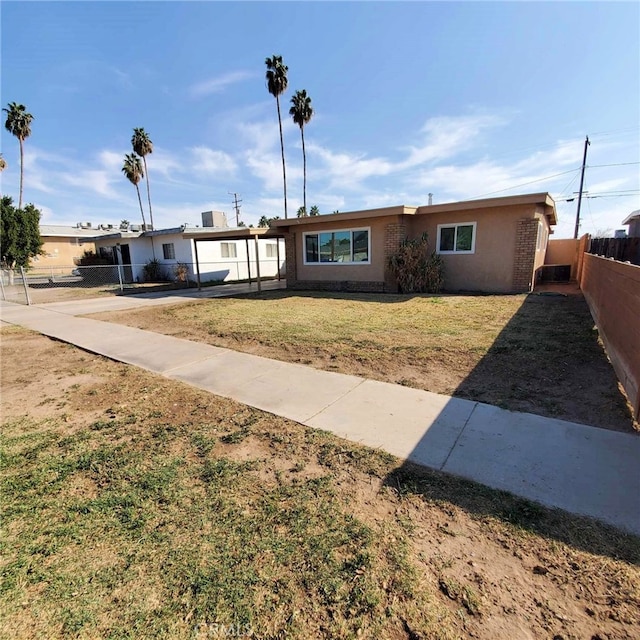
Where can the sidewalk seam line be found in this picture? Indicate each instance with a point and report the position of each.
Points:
(346, 393)
(466, 422)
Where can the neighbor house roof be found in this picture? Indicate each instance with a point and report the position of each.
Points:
(69, 231)
(533, 198)
(632, 216)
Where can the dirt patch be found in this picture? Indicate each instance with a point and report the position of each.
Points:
(537, 353)
(112, 498)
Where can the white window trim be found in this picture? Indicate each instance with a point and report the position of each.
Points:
(334, 264)
(271, 247)
(229, 245)
(456, 225)
(539, 242)
(173, 250)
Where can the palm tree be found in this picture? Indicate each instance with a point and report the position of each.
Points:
(142, 145)
(18, 123)
(277, 84)
(301, 111)
(132, 169)
(3, 163)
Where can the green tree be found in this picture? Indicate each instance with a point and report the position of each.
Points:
(302, 111)
(314, 210)
(19, 235)
(263, 222)
(277, 84)
(132, 169)
(302, 213)
(143, 146)
(18, 123)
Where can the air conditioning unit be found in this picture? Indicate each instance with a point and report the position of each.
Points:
(147, 227)
(134, 227)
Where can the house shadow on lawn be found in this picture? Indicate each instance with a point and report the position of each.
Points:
(547, 360)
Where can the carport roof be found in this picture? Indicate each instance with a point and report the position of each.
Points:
(238, 233)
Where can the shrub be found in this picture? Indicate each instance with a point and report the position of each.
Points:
(181, 272)
(153, 271)
(415, 269)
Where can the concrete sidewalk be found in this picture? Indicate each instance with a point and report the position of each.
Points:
(581, 469)
(155, 298)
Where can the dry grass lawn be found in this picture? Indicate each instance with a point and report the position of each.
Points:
(533, 353)
(137, 507)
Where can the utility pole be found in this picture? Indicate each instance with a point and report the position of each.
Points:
(236, 206)
(584, 164)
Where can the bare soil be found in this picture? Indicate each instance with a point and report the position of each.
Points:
(445, 558)
(538, 353)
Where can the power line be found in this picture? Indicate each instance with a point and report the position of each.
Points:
(617, 164)
(524, 184)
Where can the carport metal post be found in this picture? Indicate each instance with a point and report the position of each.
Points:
(246, 242)
(119, 267)
(278, 257)
(195, 251)
(26, 286)
(258, 265)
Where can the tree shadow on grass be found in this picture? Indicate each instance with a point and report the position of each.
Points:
(546, 360)
(482, 502)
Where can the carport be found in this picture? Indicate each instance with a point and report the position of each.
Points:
(248, 234)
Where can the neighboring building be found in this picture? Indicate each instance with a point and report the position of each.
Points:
(491, 245)
(633, 220)
(226, 258)
(64, 245)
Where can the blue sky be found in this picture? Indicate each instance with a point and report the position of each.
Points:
(458, 99)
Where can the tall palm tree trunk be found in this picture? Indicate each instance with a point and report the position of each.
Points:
(284, 170)
(153, 249)
(144, 160)
(304, 169)
(141, 209)
(21, 171)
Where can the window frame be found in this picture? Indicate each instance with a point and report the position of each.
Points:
(351, 231)
(168, 247)
(272, 248)
(455, 225)
(229, 245)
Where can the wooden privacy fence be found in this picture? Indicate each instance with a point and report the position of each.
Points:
(622, 249)
(612, 291)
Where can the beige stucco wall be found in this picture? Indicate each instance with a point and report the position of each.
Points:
(562, 251)
(373, 272)
(490, 268)
(544, 238)
(61, 252)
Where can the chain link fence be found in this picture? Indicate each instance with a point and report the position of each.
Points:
(39, 285)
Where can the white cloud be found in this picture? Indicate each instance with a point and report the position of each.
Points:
(210, 161)
(447, 136)
(218, 84)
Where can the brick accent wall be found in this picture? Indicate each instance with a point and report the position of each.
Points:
(525, 255)
(395, 233)
(291, 272)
